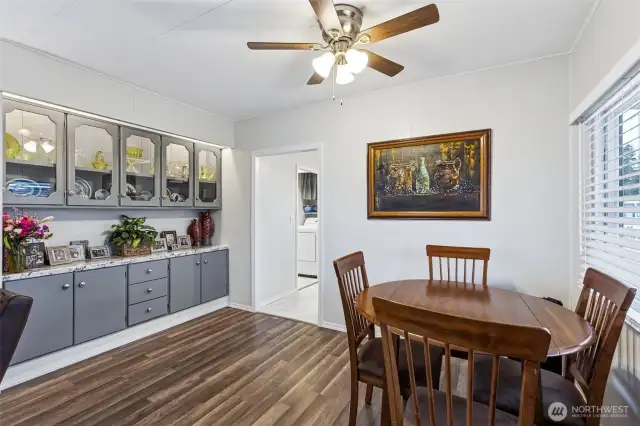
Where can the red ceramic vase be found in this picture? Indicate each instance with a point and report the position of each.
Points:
(195, 231)
(207, 227)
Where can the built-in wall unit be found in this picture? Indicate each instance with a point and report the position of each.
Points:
(86, 170)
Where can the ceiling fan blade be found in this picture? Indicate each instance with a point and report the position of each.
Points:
(382, 64)
(315, 79)
(411, 21)
(326, 12)
(282, 46)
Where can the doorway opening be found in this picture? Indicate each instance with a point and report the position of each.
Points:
(286, 242)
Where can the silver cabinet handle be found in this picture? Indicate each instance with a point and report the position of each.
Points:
(149, 290)
(149, 271)
(70, 193)
(206, 261)
(197, 198)
(198, 263)
(82, 284)
(148, 309)
(66, 287)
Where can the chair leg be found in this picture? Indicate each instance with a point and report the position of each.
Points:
(353, 405)
(369, 394)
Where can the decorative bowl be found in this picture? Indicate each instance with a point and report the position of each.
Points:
(134, 152)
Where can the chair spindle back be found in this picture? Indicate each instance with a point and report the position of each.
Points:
(530, 344)
(459, 256)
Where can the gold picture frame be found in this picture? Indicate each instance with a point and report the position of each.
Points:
(444, 176)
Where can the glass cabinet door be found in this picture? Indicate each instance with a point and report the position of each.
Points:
(140, 168)
(177, 171)
(33, 155)
(207, 176)
(92, 158)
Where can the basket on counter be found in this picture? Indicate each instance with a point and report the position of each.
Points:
(127, 251)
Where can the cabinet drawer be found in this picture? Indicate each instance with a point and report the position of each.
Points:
(148, 271)
(147, 291)
(147, 310)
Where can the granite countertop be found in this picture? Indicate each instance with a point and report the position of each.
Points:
(103, 263)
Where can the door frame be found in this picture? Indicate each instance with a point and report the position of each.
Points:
(255, 155)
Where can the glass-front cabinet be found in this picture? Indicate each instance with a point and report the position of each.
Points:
(92, 162)
(140, 154)
(207, 176)
(33, 155)
(177, 173)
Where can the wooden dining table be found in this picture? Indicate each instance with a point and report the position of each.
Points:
(570, 333)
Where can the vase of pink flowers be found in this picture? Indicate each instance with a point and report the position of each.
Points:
(17, 232)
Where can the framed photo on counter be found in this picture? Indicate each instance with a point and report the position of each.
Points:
(100, 252)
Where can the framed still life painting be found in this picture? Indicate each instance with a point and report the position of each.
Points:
(431, 177)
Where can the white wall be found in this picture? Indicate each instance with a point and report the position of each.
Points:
(526, 106)
(276, 224)
(613, 29)
(47, 78)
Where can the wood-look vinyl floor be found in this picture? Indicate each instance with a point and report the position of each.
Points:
(228, 368)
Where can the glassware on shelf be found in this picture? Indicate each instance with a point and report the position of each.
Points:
(98, 161)
(11, 146)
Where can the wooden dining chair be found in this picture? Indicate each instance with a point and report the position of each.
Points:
(604, 303)
(460, 257)
(365, 357)
(435, 408)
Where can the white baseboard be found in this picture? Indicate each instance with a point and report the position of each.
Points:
(46, 364)
(241, 306)
(334, 326)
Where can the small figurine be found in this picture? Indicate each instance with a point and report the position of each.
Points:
(98, 161)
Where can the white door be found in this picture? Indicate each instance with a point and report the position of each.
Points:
(275, 228)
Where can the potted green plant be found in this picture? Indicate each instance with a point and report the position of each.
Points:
(132, 237)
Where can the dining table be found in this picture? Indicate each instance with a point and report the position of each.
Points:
(570, 333)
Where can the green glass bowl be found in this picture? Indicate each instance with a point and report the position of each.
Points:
(134, 152)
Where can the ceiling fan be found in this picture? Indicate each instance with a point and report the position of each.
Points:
(340, 26)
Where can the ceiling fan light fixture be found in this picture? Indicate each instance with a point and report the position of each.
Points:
(323, 64)
(343, 75)
(356, 61)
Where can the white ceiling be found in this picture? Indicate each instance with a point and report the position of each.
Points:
(195, 51)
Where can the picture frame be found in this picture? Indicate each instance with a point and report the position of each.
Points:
(171, 237)
(99, 252)
(184, 241)
(175, 247)
(77, 252)
(444, 176)
(58, 255)
(84, 243)
(160, 244)
(36, 254)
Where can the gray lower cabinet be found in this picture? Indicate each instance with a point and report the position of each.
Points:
(50, 324)
(100, 306)
(184, 282)
(214, 275)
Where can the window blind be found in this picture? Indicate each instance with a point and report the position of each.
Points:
(610, 187)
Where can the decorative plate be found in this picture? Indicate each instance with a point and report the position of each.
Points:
(82, 188)
(23, 188)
